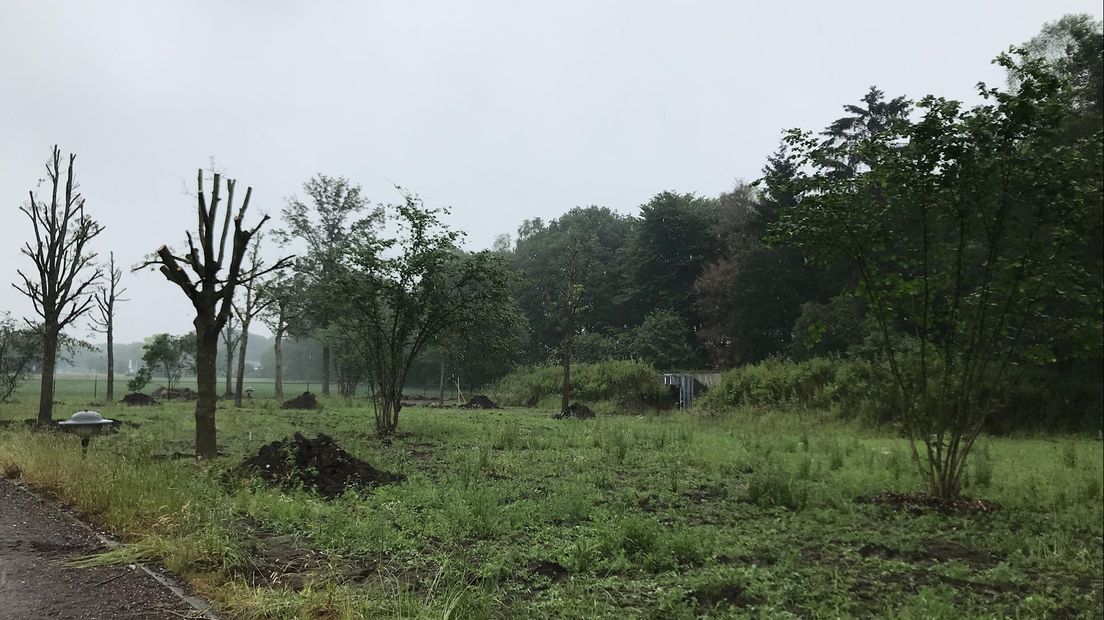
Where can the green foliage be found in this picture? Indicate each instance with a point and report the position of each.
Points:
(775, 382)
(140, 380)
(172, 355)
(968, 230)
(631, 385)
(402, 293)
(18, 349)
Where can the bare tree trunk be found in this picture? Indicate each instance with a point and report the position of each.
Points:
(565, 396)
(441, 395)
(49, 362)
(110, 359)
(278, 351)
(229, 372)
(206, 377)
(241, 363)
(325, 370)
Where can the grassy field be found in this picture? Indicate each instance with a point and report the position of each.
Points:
(513, 514)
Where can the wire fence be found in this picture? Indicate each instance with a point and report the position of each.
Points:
(94, 388)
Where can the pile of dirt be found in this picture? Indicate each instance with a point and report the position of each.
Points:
(480, 401)
(137, 399)
(175, 393)
(924, 502)
(318, 464)
(576, 410)
(306, 400)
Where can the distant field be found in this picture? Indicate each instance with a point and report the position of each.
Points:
(512, 514)
(83, 389)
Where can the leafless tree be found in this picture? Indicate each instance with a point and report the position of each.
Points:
(65, 270)
(103, 321)
(256, 301)
(211, 289)
(230, 339)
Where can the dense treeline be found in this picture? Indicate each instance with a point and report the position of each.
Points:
(902, 236)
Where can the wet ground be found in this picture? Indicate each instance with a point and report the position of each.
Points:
(36, 539)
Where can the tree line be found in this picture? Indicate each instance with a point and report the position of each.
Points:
(958, 247)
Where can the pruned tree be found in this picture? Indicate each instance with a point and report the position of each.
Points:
(65, 270)
(402, 293)
(215, 276)
(230, 339)
(283, 316)
(256, 301)
(103, 321)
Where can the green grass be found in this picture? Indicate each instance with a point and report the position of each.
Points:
(513, 514)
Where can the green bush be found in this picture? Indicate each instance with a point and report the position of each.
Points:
(627, 384)
(775, 381)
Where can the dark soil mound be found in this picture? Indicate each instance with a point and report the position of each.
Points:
(306, 400)
(576, 410)
(318, 464)
(175, 394)
(479, 401)
(923, 502)
(139, 400)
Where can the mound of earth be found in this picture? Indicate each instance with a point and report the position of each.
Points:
(306, 400)
(479, 401)
(576, 410)
(175, 393)
(139, 400)
(318, 464)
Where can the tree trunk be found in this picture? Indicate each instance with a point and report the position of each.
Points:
(278, 352)
(565, 396)
(110, 360)
(325, 370)
(441, 395)
(241, 363)
(206, 377)
(229, 371)
(49, 362)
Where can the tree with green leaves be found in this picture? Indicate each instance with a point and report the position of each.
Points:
(19, 346)
(599, 236)
(403, 292)
(673, 241)
(960, 224)
(65, 271)
(322, 225)
(172, 355)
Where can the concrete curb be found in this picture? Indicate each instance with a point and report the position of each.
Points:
(202, 608)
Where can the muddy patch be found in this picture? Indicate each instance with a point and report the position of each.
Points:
(918, 503)
(553, 571)
(728, 594)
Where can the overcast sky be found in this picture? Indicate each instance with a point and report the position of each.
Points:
(502, 110)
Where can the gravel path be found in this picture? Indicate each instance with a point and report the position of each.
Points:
(36, 538)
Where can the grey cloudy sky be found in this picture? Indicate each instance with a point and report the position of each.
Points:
(502, 110)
